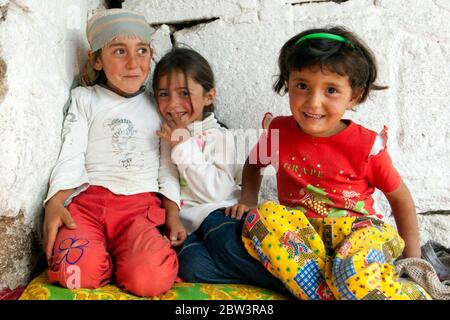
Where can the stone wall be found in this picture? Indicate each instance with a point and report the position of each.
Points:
(42, 45)
(242, 39)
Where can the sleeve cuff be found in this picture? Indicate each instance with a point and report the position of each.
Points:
(187, 153)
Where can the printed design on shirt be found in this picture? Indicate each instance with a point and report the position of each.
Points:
(200, 140)
(70, 250)
(351, 203)
(293, 206)
(183, 182)
(299, 170)
(349, 196)
(123, 133)
(337, 213)
(315, 199)
(71, 118)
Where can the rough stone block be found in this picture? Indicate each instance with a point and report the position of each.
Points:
(3, 82)
(38, 54)
(19, 251)
(161, 41)
(168, 12)
(431, 227)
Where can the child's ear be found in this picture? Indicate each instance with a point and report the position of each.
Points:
(95, 61)
(209, 96)
(356, 97)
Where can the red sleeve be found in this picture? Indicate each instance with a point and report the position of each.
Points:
(382, 174)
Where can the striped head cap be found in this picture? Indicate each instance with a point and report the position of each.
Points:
(106, 25)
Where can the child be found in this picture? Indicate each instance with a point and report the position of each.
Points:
(325, 240)
(204, 153)
(110, 169)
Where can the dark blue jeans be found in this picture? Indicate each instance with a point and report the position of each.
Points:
(214, 253)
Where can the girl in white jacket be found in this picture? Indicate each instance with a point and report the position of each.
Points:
(205, 155)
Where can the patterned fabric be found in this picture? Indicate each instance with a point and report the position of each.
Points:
(423, 272)
(40, 289)
(329, 258)
(8, 294)
(108, 24)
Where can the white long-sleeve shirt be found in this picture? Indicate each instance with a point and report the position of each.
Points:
(110, 141)
(209, 175)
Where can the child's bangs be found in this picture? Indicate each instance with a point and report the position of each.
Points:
(327, 63)
(127, 37)
(170, 71)
(336, 66)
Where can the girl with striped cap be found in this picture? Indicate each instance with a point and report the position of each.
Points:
(113, 186)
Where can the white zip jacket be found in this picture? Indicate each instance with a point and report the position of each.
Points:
(209, 175)
(111, 141)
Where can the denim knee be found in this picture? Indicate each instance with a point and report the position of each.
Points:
(191, 258)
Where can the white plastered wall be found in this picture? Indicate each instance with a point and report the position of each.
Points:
(242, 39)
(42, 45)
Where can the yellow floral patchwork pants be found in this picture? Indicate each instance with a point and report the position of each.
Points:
(328, 258)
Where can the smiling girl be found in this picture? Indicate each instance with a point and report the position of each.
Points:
(204, 153)
(324, 239)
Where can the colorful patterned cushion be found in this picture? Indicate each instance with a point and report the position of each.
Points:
(40, 289)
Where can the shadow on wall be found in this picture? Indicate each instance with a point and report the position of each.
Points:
(3, 84)
(316, 1)
(110, 4)
(174, 26)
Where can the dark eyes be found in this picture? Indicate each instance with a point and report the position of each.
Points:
(140, 51)
(302, 86)
(165, 94)
(331, 90)
(119, 51)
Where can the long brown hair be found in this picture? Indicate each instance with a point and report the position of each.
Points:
(192, 64)
(89, 75)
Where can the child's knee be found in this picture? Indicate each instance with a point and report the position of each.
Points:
(149, 275)
(190, 266)
(77, 268)
(155, 283)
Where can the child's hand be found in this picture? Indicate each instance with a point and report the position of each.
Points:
(174, 131)
(175, 231)
(237, 211)
(56, 216)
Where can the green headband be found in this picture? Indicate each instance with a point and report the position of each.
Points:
(321, 35)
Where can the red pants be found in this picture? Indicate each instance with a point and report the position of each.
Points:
(114, 229)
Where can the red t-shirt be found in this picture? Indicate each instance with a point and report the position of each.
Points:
(325, 176)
